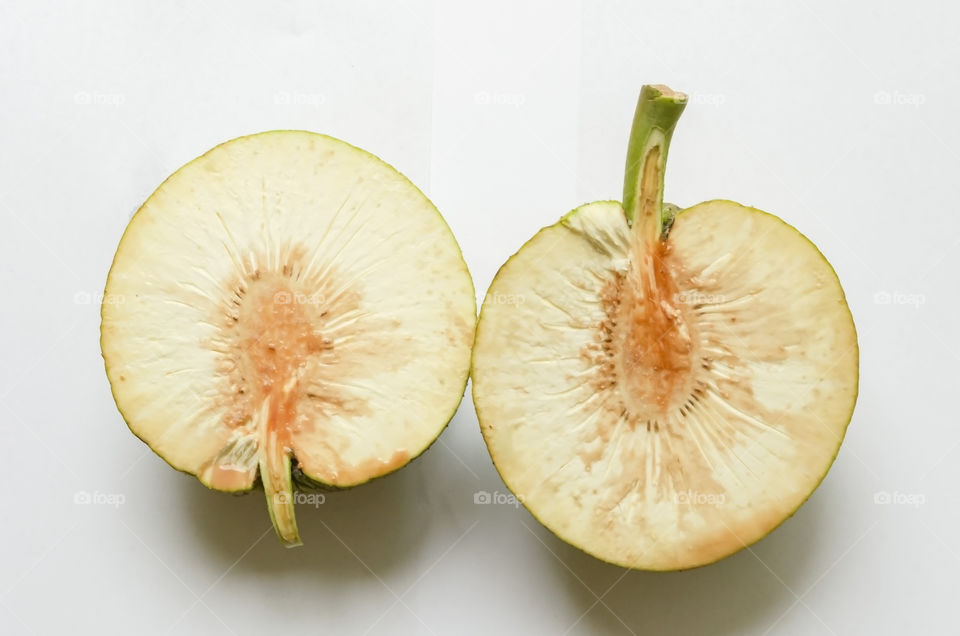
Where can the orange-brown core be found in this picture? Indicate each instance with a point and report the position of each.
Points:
(279, 336)
(656, 344)
(292, 343)
(272, 329)
(645, 343)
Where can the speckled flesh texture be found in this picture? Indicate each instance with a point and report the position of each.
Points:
(289, 301)
(662, 406)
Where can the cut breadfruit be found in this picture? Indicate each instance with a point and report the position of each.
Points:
(293, 309)
(675, 383)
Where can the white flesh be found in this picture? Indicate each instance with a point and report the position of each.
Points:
(673, 460)
(287, 294)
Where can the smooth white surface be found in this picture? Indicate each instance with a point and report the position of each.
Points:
(839, 117)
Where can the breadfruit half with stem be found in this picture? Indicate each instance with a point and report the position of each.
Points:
(675, 383)
(287, 305)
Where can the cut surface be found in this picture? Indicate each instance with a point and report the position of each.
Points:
(287, 298)
(662, 414)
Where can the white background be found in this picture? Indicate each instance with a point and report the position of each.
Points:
(839, 117)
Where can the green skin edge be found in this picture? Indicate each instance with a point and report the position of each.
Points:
(661, 116)
(297, 476)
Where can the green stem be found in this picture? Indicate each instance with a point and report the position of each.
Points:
(658, 110)
(275, 474)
